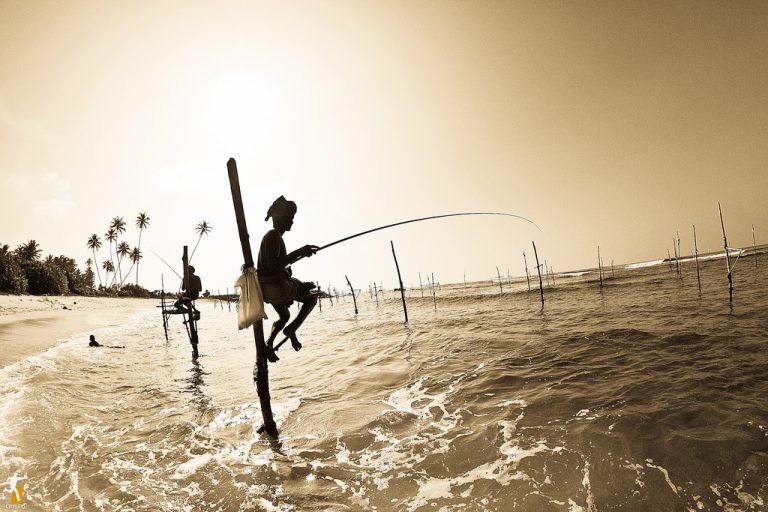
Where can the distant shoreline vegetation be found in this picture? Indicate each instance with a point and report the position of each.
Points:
(23, 271)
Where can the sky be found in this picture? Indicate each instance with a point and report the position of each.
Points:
(608, 123)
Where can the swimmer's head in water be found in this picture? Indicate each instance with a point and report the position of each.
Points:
(92, 338)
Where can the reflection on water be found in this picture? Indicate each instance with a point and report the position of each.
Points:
(194, 385)
(645, 395)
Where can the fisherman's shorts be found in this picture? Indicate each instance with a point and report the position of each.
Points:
(285, 291)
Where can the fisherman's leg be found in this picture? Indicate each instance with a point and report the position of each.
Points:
(179, 304)
(190, 305)
(308, 303)
(277, 326)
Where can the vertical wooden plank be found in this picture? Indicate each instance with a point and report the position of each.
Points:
(399, 280)
(260, 371)
(538, 267)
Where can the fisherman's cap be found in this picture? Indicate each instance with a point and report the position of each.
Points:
(281, 207)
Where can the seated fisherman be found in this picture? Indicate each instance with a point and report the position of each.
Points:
(192, 289)
(278, 287)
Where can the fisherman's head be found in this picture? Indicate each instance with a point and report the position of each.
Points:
(92, 338)
(282, 212)
(191, 269)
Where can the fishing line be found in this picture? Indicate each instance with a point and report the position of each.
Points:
(425, 218)
(168, 264)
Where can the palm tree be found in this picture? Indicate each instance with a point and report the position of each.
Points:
(203, 228)
(88, 274)
(123, 250)
(142, 222)
(94, 243)
(118, 224)
(135, 255)
(29, 251)
(110, 235)
(108, 267)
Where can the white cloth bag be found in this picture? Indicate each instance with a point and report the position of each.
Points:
(251, 307)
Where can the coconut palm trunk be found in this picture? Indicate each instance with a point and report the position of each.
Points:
(203, 228)
(96, 265)
(137, 263)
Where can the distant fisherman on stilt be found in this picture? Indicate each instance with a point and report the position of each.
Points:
(275, 278)
(191, 289)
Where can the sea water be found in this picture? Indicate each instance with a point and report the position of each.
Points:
(642, 394)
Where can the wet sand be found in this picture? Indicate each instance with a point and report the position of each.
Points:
(30, 325)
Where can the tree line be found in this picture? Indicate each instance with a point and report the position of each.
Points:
(22, 270)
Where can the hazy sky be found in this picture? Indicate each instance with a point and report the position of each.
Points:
(610, 123)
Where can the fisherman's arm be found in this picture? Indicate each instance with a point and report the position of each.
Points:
(272, 247)
(302, 252)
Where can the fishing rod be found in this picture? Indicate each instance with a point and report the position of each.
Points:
(425, 218)
(167, 264)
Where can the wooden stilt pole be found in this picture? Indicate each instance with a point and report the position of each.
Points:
(376, 293)
(538, 267)
(162, 306)
(399, 280)
(501, 288)
(679, 256)
(434, 297)
(190, 314)
(696, 257)
(319, 298)
(527, 275)
(727, 256)
(261, 371)
(669, 259)
(354, 300)
(754, 245)
(600, 266)
(465, 280)
(420, 285)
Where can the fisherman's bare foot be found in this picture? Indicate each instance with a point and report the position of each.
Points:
(271, 354)
(294, 340)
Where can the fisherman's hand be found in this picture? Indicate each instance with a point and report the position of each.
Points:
(308, 250)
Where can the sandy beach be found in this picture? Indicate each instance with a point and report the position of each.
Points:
(31, 324)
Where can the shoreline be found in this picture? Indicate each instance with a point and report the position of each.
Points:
(31, 324)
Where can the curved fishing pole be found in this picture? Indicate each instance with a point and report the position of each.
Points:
(425, 218)
(167, 264)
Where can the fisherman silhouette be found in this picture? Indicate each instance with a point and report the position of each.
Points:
(192, 289)
(278, 286)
